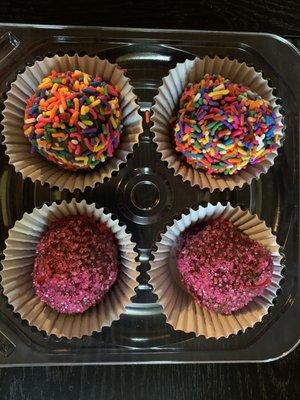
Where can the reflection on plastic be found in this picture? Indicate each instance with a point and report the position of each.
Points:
(6, 346)
(8, 43)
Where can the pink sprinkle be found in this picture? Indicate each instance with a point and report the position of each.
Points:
(236, 133)
(77, 150)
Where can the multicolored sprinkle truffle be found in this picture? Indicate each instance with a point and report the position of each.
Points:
(222, 127)
(76, 264)
(74, 120)
(222, 268)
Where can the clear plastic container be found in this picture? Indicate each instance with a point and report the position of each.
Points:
(146, 196)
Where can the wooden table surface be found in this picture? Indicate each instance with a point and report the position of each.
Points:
(277, 380)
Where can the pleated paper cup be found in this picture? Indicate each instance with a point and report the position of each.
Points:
(180, 308)
(166, 105)
(35, 166)
(18, 266)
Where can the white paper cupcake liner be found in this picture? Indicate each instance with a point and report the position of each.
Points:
(180, 308)
(35, 166)
(167, 100)
(18, 265)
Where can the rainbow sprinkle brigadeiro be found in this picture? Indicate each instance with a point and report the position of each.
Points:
(222, 127)
(74, 120)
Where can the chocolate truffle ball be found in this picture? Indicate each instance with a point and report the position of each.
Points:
(222, 268)
(76, 264)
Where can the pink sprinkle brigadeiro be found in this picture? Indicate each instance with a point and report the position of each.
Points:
(222, 268)
(76, 264)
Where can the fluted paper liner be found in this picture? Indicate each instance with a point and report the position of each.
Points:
(18, 265)
(35, 166)
(167, 101)
(180, 308)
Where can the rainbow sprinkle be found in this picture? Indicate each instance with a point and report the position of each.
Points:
(223, 127)
(73, 119)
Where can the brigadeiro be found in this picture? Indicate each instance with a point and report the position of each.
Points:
(76, 264)
(222, 268)
(74, 119)
(222, 127)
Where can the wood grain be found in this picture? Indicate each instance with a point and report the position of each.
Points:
(277, 380)
(277, 16)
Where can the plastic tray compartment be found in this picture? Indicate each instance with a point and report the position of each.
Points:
(146, 196)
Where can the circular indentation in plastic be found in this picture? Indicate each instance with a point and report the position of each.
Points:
(145, 195)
